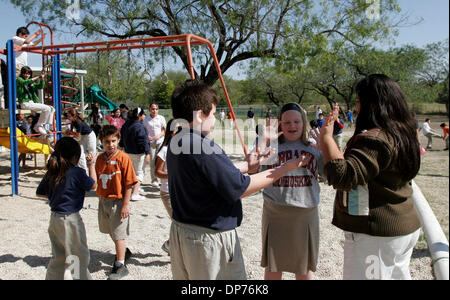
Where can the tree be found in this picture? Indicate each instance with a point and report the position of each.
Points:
(162, 92)
(436, 68)
(289, 31)
(334, 74)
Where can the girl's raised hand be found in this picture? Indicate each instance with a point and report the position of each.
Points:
(268, 134)
(328, 126)
(315, 135)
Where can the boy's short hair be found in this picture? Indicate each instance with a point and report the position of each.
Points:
(22, 31)
(26, 70)
(427, 119)
(443, 125)
(193, 95)
(108, 130)
(123, 106)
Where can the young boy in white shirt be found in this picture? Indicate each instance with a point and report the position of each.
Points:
(22, 38)
(428, 132)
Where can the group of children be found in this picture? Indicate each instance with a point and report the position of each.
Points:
(40, 123)
(204, 190)
(112, 175)
(201, 193)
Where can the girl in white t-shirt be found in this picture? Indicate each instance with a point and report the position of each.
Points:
(161, 172)
(290, 221)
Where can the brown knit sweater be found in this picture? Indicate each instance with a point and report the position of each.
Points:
(371, 196)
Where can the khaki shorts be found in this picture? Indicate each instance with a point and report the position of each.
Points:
(70, 252)
(199, 253)
(109, 220)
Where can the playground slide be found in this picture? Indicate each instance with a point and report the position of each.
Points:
(98, 96)
(24, 144)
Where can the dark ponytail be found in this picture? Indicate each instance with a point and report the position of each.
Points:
(133, 115)
(66, 155)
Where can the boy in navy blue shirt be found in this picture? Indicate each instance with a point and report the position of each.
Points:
(206, 190)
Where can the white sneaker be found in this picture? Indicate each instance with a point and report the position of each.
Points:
(137, 197)
(155, 184)
(141, 191)
(40, 129)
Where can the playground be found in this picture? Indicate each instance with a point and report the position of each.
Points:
(55, 76)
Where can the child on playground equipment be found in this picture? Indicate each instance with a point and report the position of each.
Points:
(22, 39)
(27, 87)
(65, 186)
(23, 125)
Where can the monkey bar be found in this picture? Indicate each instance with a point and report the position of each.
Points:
(54, 51)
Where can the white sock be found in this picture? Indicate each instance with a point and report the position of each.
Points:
(121, 262)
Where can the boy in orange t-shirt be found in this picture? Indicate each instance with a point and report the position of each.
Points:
(116, 178)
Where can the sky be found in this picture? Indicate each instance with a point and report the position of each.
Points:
(434, 27)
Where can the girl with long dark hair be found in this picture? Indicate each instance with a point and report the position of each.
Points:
(373, 203)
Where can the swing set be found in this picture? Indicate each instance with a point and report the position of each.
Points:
(51, 65)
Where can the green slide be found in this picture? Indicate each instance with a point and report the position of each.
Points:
(95, 94)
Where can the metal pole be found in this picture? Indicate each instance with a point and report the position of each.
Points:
(82, 95)
(12, 117)
(56, 78)
(436, 239)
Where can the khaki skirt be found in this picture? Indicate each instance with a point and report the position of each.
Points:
(290, 238)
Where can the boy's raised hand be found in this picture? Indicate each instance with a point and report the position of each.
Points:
(302, 161)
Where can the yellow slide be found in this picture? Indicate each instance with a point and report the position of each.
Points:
(24, 144)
